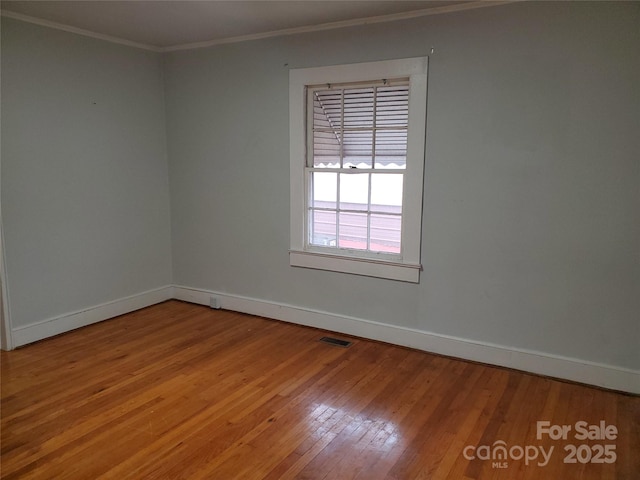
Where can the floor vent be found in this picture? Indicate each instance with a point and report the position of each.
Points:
(335, 341)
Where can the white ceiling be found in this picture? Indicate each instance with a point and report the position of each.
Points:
(166, 25)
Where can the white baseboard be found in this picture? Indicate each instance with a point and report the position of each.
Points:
(70, 321)
(573, 369)
(606, 376)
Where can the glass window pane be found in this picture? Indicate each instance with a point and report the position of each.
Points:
(358, 148)
(353, 230)
(386, 192)
(385, 233)
(392, 106)
(326, 149)
(391, 149)
(327, 109)
(324, 189)
(327, 118)
(358, 108)
(354, 191)
(322, 228)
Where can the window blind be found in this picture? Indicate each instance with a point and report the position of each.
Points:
(360, 126)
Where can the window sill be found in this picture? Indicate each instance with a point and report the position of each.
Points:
(403, 272)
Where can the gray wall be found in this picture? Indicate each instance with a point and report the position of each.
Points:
(530, 230)
(85, 200)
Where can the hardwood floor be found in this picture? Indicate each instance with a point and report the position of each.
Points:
(183, 391)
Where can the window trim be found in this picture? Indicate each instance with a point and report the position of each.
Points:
(405, 267)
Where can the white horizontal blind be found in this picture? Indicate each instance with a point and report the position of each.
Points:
(356, 161)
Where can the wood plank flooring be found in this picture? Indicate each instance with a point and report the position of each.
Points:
(182, 391)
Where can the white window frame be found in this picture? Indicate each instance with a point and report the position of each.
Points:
(406, 266)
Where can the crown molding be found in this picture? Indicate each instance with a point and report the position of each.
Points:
(78, 31)
(342, 24)
(258, 36)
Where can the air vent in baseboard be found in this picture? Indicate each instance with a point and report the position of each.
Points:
(335, 341)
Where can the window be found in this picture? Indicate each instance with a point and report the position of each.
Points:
(357, 157)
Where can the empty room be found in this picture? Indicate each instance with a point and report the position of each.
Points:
(320, 240)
